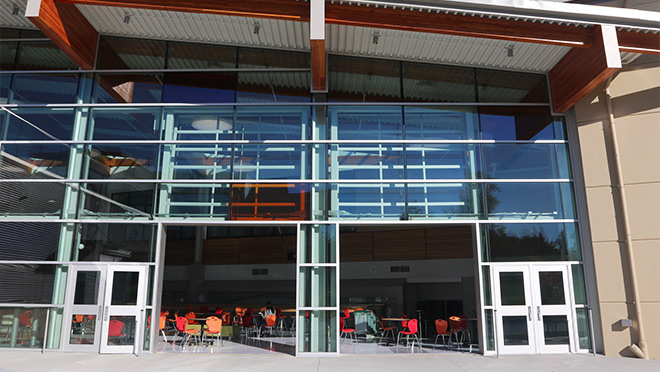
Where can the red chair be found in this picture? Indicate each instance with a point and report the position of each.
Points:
(182, 327)
(116, 331)
(218, 311)
(455, 323)
(412, 331)
(203, 309)
(464, 328)
(247, 325)
(386, 330)
(442, 329)
(346, 331)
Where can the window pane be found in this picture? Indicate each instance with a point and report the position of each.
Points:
(122, 161)
(42, 55)
(451, 161)
(579, 288)
(515, 330)
(452, 123)
(447, 200)
(202, 123)
(436, 83)
(368, 201)
(125, 288)
(196, 87)
(121, 330)
(120, 53)
(34, 161)
(517, 123)
(200, 56)
(123, 200)
(267, 58)
(273, 87)
(29, 241)
(319, 244)
(488, 297)
(200, 162)
(363, 79)
(26, 283)
(371, 162)
(533, 242)
(318, 287)
(9, 33)
(262, 162)
(366, 123)
(87, 288)
(127, 88)
(30, 327)
(269, 202)
(505, 86)
(5, 82)
(115, 242)
(8, 54)
(125, 124)
(83, 328)
(555, 330)
(272, 123)
(30, 199)
(45, 89)
(584, 332)
(318, 331)
(512, 288)
(522, 201)
(40, 124)
(551, 284)
(524, 161)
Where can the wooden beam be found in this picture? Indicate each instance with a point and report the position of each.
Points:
(638, 42)
(582, 70)
(317, 43)
(67, 28)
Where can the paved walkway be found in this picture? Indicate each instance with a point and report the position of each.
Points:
(23, 360)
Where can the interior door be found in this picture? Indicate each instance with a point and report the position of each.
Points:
(123, 309)
(553, 309)
(513, 301)
(85, 289)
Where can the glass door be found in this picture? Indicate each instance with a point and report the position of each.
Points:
(553, 309)
(513, 301)
(85, 288)
(123, 309)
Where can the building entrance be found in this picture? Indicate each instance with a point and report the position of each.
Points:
(106, 308)
(534, 309)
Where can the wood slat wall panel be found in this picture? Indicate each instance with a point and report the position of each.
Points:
(221, 251)
(399, 245)
(449, 242)
(264, 250)
(356, 247)
(180, 253)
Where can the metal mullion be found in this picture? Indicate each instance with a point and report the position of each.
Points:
(324, 264)
(292, 142)
(155, 70)
(283, 104)
(275, 181)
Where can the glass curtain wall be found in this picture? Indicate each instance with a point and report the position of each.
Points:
(392, 140)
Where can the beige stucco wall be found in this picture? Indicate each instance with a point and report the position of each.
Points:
(635, 94)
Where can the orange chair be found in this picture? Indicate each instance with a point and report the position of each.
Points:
(191, 317)
(240, 312)
(441, 328)
(226, 317)
(214, 328)
(77, 323)
(412, 331)
(161, 326)
(455, 323)
(271, 322)
(350, 332)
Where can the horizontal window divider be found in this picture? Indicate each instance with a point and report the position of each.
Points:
(206, 221)
(284, 142)
(9, 262)
(260, 104)
(315, 308)
(289, 181)
(154, 71)
(46, 306)
(324, 264)
(24, 39)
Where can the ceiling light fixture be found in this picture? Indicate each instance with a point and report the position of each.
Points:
(509, 51)
(127, 18)
(15, 10)
(210, 123)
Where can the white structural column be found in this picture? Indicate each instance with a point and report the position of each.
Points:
(317, 44)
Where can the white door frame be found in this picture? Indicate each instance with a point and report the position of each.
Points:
(518, 310)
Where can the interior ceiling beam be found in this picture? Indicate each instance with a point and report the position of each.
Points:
(317, 44)
(638, 42)
(582, 70)
(66, 26)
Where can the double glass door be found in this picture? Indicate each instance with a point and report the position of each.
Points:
(534, 309)
(105, 308)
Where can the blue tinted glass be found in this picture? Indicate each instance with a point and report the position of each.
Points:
(45, 89)
(122, 161)
(272, 123)
(273, 87)
(451, 161)
(125, 124)
(198, 162)
(527, 161)
(366, 123)
(33, 160)
(369, 201)
(453, 200)
(516, 123)
(368, 162)
(5, 81)
(127, 88)
(533, 242)
(201, 123)
(40, 124)
(199, 87)
(261, 162)
(529, 201)
(452, 123)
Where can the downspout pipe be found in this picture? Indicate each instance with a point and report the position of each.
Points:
(640, 351)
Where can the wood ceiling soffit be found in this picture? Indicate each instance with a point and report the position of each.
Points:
(68, 28)
(582, 70)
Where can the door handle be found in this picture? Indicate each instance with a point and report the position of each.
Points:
(106, 314)
(538, 312)
(529, 312)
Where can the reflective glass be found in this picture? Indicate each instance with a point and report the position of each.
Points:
(533, 242)
(125, 288)
(512, 288)
(8, 55)
(318, 331)
(9, 33)
(121, 330)
(199, 87)
(32, 34)
(555, 330)
(42, 55)
(551, 285)
(515, 330)
(83, 329)
(525, 161)
(262, 162)
(507, 86)
(319, 243)
(124, 124)
(437, 83)
(524, 201)
(370, 162)
(272, 123)
(29, 241)
(269, 201)
(490, 330)
(444, 200)
(368, 201)
(366, 122)
(30, 199)
(441, 122)
(488, 297)
(584, 331)
(5, 82)
(87, 288)
(127, 88)
(318, 286)
(29, 88)
(40, 124)
(273, 87)
(442, 161)
(201, 200)
(517, 123)
(121, 161)
(200, 56)
(201, 123)
(200, 162)
(26, 283)
(268, 58)
(579, 288)
(34, 161)
(363, 79)
(115, 242)
(127, 200)
(24, 327)
(126, 53)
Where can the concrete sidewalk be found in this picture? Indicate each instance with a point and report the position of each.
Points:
(19, 361)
